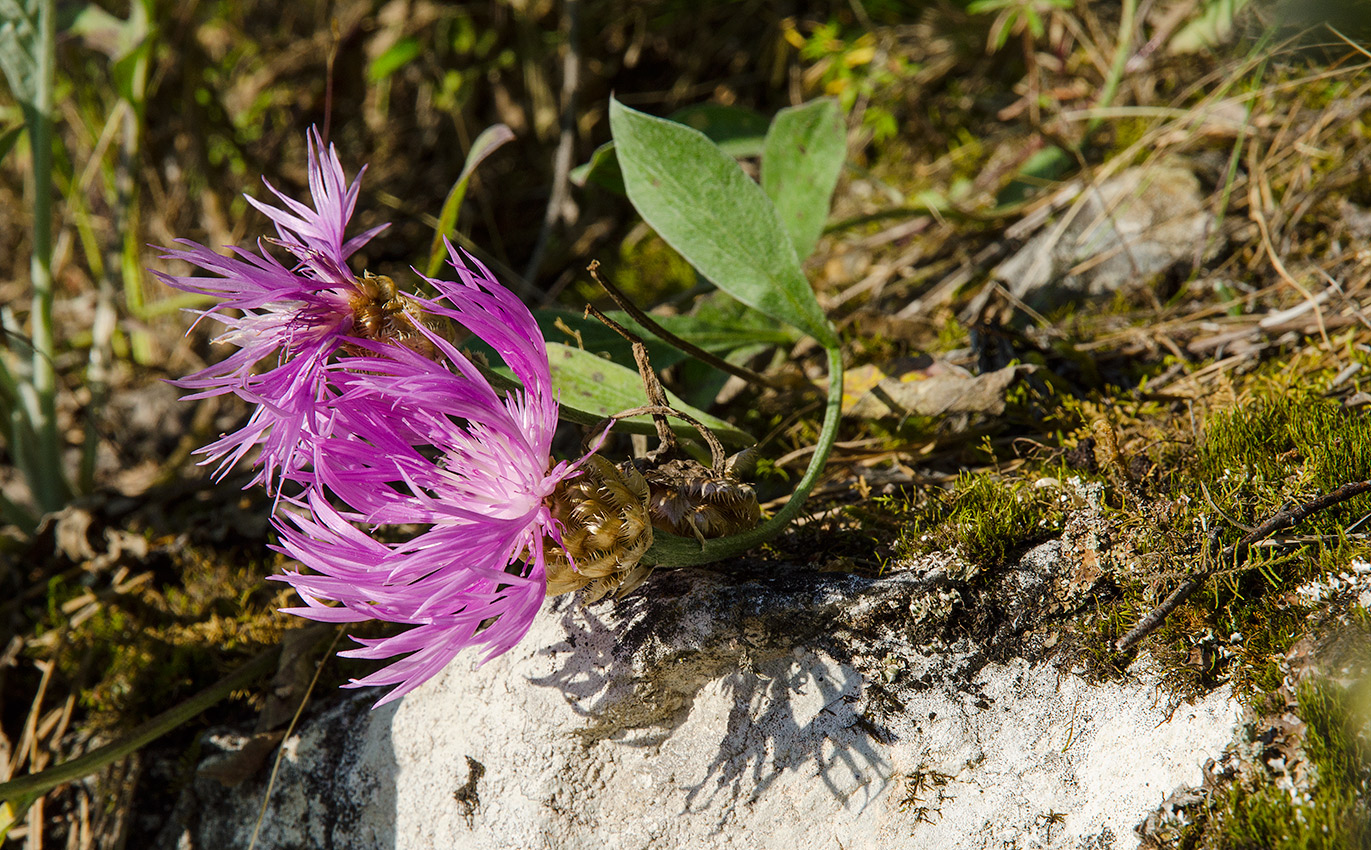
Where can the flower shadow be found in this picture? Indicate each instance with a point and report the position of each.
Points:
(751, 664)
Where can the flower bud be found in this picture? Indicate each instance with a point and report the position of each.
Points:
(605, 531)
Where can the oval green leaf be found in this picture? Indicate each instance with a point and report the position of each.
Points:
(804, 153)
(592, 388)
(702, 204)
(737, 131)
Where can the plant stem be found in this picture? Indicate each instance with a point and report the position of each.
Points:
(48, 482)
(1116, 68)
(27, 788)
(642, 318)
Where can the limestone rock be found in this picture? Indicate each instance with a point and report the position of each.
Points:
(776, 707)
(1116, 236)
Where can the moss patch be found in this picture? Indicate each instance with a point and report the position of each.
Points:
(1305, 789)
(985, 519)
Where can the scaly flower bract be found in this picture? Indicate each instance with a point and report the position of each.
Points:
(297, 317)
(411, 441)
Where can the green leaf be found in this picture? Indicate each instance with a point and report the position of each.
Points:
(716, 336)
(8, 138)
(805, 148)
(105, 33)
(130, 71)
(738, 132)
(490, 139)
(702, 204)
(22, 50)
(10, 813)
(713, 336)
(602, 170)
(700, 383)
(575, 328)
(594, 388)
(395, 57)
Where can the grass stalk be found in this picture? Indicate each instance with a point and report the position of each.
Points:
(38, 395)
(1116, 68)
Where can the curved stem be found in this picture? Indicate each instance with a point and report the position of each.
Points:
(669, 550)
(25, 789)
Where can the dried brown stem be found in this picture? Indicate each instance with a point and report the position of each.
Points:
(656, 396)
(1278, 522)
(716, 449)
(670, 338)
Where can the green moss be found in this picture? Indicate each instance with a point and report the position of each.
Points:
(1128, 131)
(131, 650)
(1280, 445)
(984, 518)
(1284, 445)
(1333, 815)
(952, 334)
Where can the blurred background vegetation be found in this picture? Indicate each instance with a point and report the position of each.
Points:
(968, 125)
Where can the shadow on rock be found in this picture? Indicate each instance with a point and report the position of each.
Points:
(768, 661)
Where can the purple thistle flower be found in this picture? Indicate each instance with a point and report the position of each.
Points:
(413, 442)
(297, 317)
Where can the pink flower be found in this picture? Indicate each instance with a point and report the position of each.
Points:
(424, 494)
(414, 442)
(286, 322)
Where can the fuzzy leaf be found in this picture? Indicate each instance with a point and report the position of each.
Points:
(22, 53)
(715, 336)
(702, 204)
(805, 147)
(738, 132)
(602, 170)
(594, 387)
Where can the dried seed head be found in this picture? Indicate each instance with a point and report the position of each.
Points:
(605, 531)
(687, 498)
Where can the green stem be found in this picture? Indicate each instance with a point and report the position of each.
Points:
(1116, 69)
(48, 480)
(26, 789)
(670, 550)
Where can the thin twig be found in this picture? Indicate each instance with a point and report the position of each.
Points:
(717, 458)
(652, 385)
(1278, 522)
(670, 338)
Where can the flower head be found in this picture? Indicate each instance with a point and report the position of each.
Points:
(288, 322)
(414, 441)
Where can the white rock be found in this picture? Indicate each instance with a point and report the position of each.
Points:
(798, 710)
(1117, 235)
